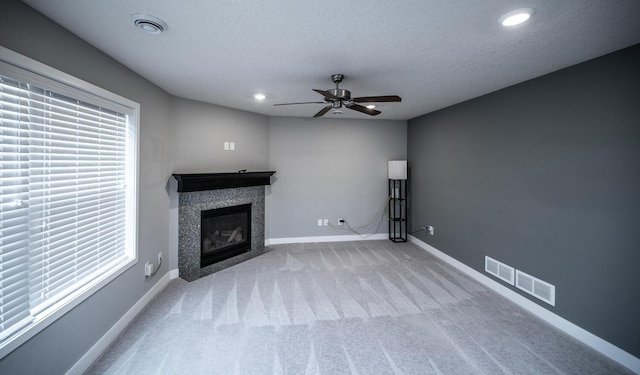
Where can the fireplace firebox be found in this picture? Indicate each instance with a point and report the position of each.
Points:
(224, 233)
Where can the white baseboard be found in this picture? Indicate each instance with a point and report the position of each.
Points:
(342, 238)
(586, 337)
(92, 354)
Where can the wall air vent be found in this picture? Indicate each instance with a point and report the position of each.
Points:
(499, 270)
(536, 287)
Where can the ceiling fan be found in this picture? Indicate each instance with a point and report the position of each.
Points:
(340, 97)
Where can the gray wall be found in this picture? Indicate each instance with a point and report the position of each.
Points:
(544, 176)
(198, 131)
(329, 168)
(62, 344)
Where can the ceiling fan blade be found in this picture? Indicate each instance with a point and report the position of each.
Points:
(299, 103)
(377, 99)
(363, 109)
(323, 111)
(326, 94)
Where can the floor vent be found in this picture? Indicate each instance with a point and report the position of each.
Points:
(536, 287)
(499, 270)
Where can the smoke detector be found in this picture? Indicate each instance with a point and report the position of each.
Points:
(148, 24)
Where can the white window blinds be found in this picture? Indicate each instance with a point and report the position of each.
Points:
(67, 208)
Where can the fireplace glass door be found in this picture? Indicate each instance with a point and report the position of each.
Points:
(225, 233)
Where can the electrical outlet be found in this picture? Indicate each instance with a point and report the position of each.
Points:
(148, 269)
(430, 229)
(326, 222)
(319, 222)
(226, 146)
(159, 258)
(232, 146)
(340, 221)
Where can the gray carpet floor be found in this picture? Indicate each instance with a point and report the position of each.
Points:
(369, 307)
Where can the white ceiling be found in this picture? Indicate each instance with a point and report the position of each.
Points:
(431, 53)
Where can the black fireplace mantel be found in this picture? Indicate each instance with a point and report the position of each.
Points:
(211, 181)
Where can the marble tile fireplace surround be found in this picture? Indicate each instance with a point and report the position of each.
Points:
(204, 192)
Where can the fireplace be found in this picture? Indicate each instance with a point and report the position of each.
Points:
(224, 233)
(220, 220)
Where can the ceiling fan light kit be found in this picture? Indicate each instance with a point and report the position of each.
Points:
(337, 98)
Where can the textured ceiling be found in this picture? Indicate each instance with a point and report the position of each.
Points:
(431, 53)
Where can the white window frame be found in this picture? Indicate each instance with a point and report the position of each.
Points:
(59, 309)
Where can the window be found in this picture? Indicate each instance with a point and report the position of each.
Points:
(68, 160)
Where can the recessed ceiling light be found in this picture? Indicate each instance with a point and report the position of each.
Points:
(149, 24)
(371, 106)
(260, 96)
(516, 17)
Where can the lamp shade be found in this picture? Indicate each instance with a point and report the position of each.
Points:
(397, 169)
